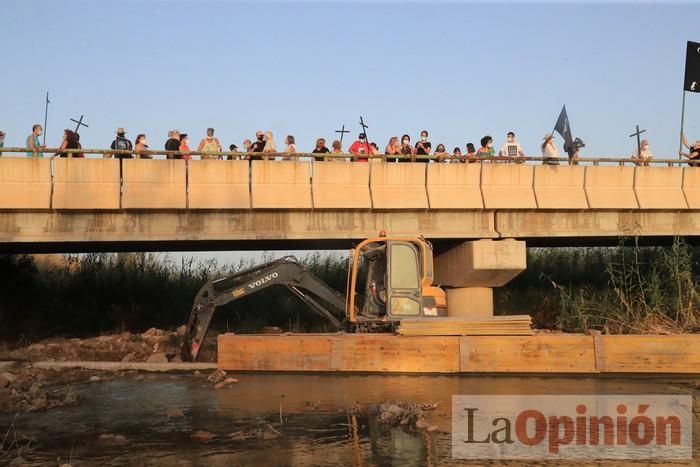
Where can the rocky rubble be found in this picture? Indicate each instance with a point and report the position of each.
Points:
(406, 414)
(153, 345)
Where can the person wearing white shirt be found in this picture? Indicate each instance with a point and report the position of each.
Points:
(644, 156)
(511, 148)
(549, 150)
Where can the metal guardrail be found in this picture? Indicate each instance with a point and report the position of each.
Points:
(53, 152)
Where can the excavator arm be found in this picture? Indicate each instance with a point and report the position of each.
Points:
(286, 272)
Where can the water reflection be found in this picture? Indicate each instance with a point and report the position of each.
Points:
(315, 428)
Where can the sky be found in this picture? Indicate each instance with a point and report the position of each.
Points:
(461, 70)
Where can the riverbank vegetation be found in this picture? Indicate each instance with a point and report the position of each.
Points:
(623, 289)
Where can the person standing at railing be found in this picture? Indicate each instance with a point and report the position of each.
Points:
(184, 147)
(361, 148)
(2, 140)
(549, 150)
(270, 147)
(486, 149)
(142, 147)
(320, 149)
(393, 148)
(173, 143)
(123, 144)
(258, 146)
(70, 141)
(423, 147)
(291, 147)
(471, 154)
(643, 155)
(33, 143)
(209, 144)
(337, 148)
(441, 153)
(511, 148)
(694, 154)
(406, 150)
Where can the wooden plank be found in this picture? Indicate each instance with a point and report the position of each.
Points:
(652, 354)
(497, 325)
(296, 352)
(390, 353)
(532, 354)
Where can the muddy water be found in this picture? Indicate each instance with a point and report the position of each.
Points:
(316, 429)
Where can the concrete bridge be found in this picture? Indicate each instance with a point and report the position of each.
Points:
(65, 205)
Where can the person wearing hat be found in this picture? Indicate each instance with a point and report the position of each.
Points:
(549, 150)
(122, 144)
(361, 148)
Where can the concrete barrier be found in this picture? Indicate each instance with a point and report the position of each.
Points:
(659, 187)
(281, 185)
(154, 184)
(610, 188)
(560, 187)
(691, 186)
(340, 186)
(398, 186)
(454, 186)
(86, 184)
(508, 186)
(215, 184)
(25, 183)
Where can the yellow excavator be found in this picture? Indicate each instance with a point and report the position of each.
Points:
(399, 285)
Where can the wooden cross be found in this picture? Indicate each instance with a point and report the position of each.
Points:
(342, 132)
(79, 123)
(639, 143)
(364, 129)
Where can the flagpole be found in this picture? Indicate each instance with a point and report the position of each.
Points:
(46, 117)
(680, 142)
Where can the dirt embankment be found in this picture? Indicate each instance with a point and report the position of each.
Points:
(154, 345)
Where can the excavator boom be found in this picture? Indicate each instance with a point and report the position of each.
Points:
(286, 272)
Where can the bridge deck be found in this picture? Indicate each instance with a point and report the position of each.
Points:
(84, 204)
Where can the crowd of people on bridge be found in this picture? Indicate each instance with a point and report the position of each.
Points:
(263, 146)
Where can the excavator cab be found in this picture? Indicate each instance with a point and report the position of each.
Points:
(398, 283)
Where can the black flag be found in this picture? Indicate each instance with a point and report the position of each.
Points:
(692, 67)
(562, 127)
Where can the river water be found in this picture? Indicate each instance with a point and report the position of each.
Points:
(315, 430)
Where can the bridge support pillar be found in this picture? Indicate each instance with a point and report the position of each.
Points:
(471, 270)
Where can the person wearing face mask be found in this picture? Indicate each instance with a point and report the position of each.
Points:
(184, 147)
(209, 144)
(423, 146)
(486, 149)
(141, 147)
(361, 148)
(406, 150)
(33, 143)
(511, 148)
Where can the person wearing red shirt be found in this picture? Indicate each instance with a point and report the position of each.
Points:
(184, 147)
(360, 147)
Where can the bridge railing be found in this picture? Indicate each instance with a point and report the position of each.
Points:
(300, 183)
